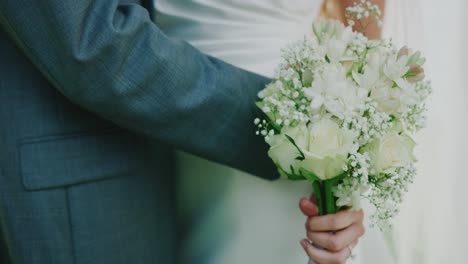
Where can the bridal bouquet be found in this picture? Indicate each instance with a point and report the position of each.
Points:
(341, 113)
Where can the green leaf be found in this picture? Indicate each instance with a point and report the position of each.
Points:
(291, 176)
(259, 104)
(414, 58)
(315, 28)
(409, 74)
(311, 177)
(302, 157)
(295, 177)
(336, 180)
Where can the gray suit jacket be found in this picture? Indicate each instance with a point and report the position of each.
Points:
(93, 100)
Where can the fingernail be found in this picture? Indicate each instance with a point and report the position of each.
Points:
(304, 243)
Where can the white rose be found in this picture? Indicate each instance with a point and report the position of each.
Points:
(282, 151)
(391, 151)
(327, 150)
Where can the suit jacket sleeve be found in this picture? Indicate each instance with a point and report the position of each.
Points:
(111, 59)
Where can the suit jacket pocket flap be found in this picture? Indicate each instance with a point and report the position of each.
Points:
(71, 159)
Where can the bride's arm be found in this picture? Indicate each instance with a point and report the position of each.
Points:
(373, 31)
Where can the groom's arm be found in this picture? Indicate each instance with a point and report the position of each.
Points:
(112, 60)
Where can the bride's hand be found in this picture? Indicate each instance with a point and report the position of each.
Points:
(337, 234)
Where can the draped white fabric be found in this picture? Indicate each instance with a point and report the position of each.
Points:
(432, 225)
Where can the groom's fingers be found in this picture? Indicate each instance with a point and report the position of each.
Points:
(334, 222)
(335, 242)
(308, 208)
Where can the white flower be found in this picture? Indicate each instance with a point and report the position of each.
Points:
(376, 57)
(282, 151)
(326, 29)
(337, 45)
(391, 151)
(335, 37)
(349, 193)
(326, 153)
(270, 89)
(336, 49)
(334, 91)
(394, 100)
(324, 144)
(395, 67)
(368, 79)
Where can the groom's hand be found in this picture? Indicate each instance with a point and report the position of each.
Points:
(337, 234)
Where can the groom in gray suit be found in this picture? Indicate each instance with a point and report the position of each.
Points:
(94, 98)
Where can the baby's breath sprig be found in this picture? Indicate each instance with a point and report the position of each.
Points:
(264, 128)
(352, 188)
(369, 124)
(415, 118)
(387, 193)
(363, 10)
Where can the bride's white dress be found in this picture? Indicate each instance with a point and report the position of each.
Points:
(229, 217)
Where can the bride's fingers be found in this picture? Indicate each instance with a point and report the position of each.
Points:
(351, 248)
(354, 244)
(334, 222)
(337, 241)
(308, 208)
(323, 256)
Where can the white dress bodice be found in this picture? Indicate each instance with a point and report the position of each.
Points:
(246, 33)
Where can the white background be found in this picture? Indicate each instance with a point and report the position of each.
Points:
(433, 225)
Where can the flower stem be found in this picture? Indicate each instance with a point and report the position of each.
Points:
(326, 201)
(318, 191)
(329, 197)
